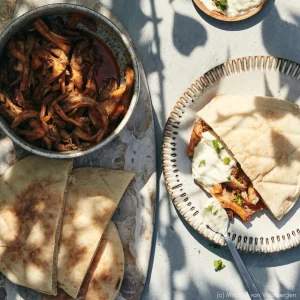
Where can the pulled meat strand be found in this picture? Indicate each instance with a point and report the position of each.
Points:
(110, 86)
(32, 135)
(111, 103)
(47, 142)
(76, 63)
(36, 62)
(18, 55)
(195, 137)
(61, 113)
(52, 37)
(68, 147)
(23, 116)
(14, 109)
(129, 73)
(24, 78)
(91, 88)
(55, 59)
(99, 135)
(118, 111)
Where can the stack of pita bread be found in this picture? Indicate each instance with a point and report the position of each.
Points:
(56, 228)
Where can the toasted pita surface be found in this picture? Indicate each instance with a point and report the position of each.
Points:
(93, 197)
(263, 133)
(105, 275)
(31, 205)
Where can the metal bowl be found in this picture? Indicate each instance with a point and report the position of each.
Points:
(111, 35)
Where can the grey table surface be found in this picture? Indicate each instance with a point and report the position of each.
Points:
(177, 44)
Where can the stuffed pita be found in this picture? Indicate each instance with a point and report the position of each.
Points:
(263, 134)
(93, 197)
(31, 205)
(105, 275)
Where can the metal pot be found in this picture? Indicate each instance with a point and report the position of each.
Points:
(110, 34)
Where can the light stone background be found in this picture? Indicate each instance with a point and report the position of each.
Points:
(176, 45)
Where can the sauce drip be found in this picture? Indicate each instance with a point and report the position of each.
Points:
(108, 68)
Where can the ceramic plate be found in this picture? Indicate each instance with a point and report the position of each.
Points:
(260, 76)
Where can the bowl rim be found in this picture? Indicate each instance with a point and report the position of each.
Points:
(43, 10)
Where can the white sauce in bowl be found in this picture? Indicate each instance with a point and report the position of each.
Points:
(209, 4)
(234, 7)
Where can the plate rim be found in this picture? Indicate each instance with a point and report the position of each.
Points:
(201, 84)
(218, 16)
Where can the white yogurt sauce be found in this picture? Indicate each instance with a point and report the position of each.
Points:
(209, 4)
(212, 172)
(234, 7)
(217, 219)
(208, 166)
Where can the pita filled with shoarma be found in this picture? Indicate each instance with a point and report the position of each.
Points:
(56, 228)
(245, 152)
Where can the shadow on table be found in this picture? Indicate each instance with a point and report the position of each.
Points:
(240, 25)
(280, 39)
(187, 34)
(145, 33)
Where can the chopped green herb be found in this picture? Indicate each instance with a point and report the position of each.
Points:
(199, 251)
(202, 163)
(221, 4)
(219, 265)
(238, 199)
(228, 178)
(209, 208)
(226, 160)
(216, 146)
(240, 202)
(215, 212)
(214, 245)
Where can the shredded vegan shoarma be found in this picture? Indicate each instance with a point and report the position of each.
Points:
(237, 194)
(60, 88)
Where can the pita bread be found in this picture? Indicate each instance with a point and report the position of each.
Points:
(105, 275)
(263, 133)
(93, 196)
(31, 205)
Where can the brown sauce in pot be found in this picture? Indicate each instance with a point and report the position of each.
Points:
(108, 68)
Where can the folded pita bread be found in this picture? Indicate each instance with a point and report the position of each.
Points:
(31, 205)
(263, 133)
(93, 196)
(105, 275)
